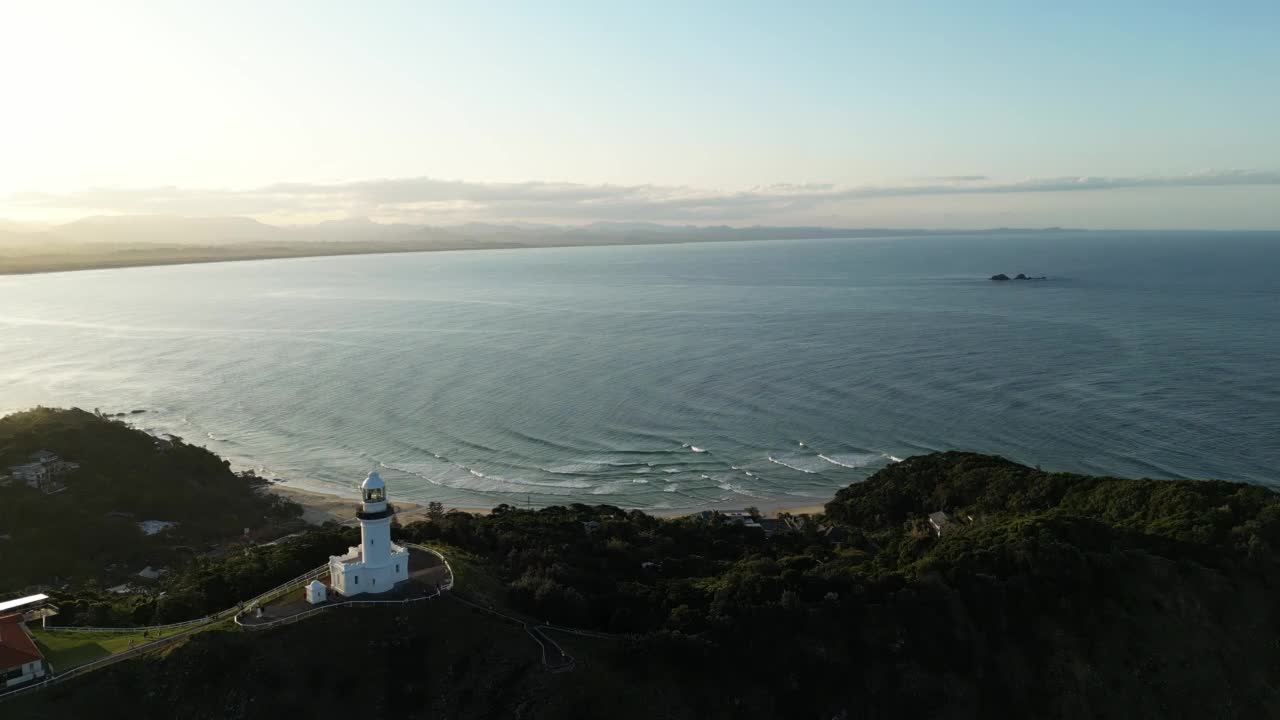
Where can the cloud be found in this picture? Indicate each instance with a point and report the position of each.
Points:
(431, 199)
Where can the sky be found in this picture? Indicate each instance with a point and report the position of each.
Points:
(929, 114)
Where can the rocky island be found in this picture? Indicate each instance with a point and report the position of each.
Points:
(1001, 277)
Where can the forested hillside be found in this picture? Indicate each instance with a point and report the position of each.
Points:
(89, 529)
(1044, 595)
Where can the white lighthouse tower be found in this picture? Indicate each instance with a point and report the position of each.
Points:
(375, 565)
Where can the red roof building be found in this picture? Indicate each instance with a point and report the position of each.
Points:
(20, 659)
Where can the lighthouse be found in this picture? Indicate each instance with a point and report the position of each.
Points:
(376, 564)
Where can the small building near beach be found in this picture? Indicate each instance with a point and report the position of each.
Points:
(376, 564)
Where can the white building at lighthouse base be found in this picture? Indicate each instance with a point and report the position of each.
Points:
(376, 564)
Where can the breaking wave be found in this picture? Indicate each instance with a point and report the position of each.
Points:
(776, 461)
(854, 460)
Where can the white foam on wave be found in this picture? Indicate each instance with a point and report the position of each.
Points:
(576, 468)
(640, 481)
(893, 459)
(853, 460)
(735, 488)
(776, 461)
(591, 466)
(671, 488)
(697, 449)
(448, 475)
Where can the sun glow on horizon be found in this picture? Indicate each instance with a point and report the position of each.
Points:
(206, 108)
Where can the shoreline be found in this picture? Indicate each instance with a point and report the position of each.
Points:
(319, 507)
(78, 256)
(52, 265)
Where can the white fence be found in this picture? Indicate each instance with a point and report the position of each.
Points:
(321, 608)
(448, 584)
(273, 592)
(138, 629)
(444, 586)
(96, 664)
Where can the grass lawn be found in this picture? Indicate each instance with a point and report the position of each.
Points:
(65, 650)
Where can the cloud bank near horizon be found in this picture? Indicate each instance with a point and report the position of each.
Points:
(431, 200)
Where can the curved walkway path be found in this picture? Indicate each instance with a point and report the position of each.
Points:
(556, 661)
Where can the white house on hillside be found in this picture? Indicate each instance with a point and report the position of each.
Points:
(375, 565)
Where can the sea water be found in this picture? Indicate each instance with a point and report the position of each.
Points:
(674, 377)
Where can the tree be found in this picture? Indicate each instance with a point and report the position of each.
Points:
(435, 511)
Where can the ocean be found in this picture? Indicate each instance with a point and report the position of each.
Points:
(678, 377)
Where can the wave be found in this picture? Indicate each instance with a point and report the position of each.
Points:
(671, 488)
(853, 460)
(593, 466)
(493, 484)
(570, 469)
(541, 441)
(776, 461)
(734, 488)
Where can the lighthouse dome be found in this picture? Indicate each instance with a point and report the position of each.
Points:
(374, 480)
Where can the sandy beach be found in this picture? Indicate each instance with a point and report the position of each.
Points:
(320, 507)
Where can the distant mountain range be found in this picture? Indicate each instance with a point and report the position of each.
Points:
(174, 230)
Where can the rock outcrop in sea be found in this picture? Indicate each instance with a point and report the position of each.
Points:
(1001, 277)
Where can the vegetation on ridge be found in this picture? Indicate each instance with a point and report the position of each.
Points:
(1043, 595)
(90, 530)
